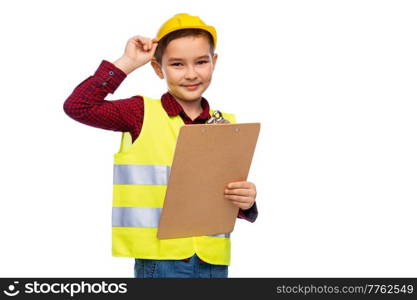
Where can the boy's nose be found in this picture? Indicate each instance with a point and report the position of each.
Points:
(190, 74)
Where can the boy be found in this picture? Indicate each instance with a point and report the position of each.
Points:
(183, 55)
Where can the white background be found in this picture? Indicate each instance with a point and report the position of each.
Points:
(332, 82)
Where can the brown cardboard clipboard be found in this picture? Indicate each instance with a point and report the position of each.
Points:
(206, 159)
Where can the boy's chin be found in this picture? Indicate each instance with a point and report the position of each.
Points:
(194, 98)
(189, 97)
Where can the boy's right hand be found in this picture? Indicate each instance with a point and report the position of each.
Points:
(138, 52)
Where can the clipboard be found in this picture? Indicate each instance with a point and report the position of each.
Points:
(206, 159)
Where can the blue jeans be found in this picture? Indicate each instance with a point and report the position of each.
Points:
(194, 268)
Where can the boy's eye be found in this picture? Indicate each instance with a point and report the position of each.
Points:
(199, 62)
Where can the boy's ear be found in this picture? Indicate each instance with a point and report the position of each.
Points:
(214, 60)
(157, 68)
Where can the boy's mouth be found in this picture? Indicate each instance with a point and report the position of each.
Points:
(191, 87)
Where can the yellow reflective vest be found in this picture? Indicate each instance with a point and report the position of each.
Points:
(140, 177)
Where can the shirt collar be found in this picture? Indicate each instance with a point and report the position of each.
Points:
(173, 108)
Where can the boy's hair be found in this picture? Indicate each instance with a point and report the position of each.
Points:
(163, 43)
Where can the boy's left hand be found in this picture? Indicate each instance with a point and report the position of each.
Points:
(241, 193)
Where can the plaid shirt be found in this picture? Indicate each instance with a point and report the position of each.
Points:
(86, 105)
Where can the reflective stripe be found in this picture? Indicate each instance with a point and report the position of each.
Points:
(141, 174)
(221, 235)
(147, 217)
(136, 216)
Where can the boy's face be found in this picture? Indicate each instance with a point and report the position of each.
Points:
(187, 67)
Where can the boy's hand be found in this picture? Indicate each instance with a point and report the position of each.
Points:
(138, 52)
(241, 193)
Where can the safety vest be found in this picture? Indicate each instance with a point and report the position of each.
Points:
(140, 177)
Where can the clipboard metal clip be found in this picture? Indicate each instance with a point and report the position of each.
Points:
(217, 118)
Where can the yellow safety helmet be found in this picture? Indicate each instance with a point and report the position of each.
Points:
(182, 21)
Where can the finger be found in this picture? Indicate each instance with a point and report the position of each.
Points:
(147, 44)
(153, 44)
(240, 184)
(241, 199)
(153, 50)
(241, 205)
(138, 43)
(238, 204)
(141, 40)
(138, 38)
(240, 192)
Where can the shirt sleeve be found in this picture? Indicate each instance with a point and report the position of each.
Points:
(250, 214)
(87, 103)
